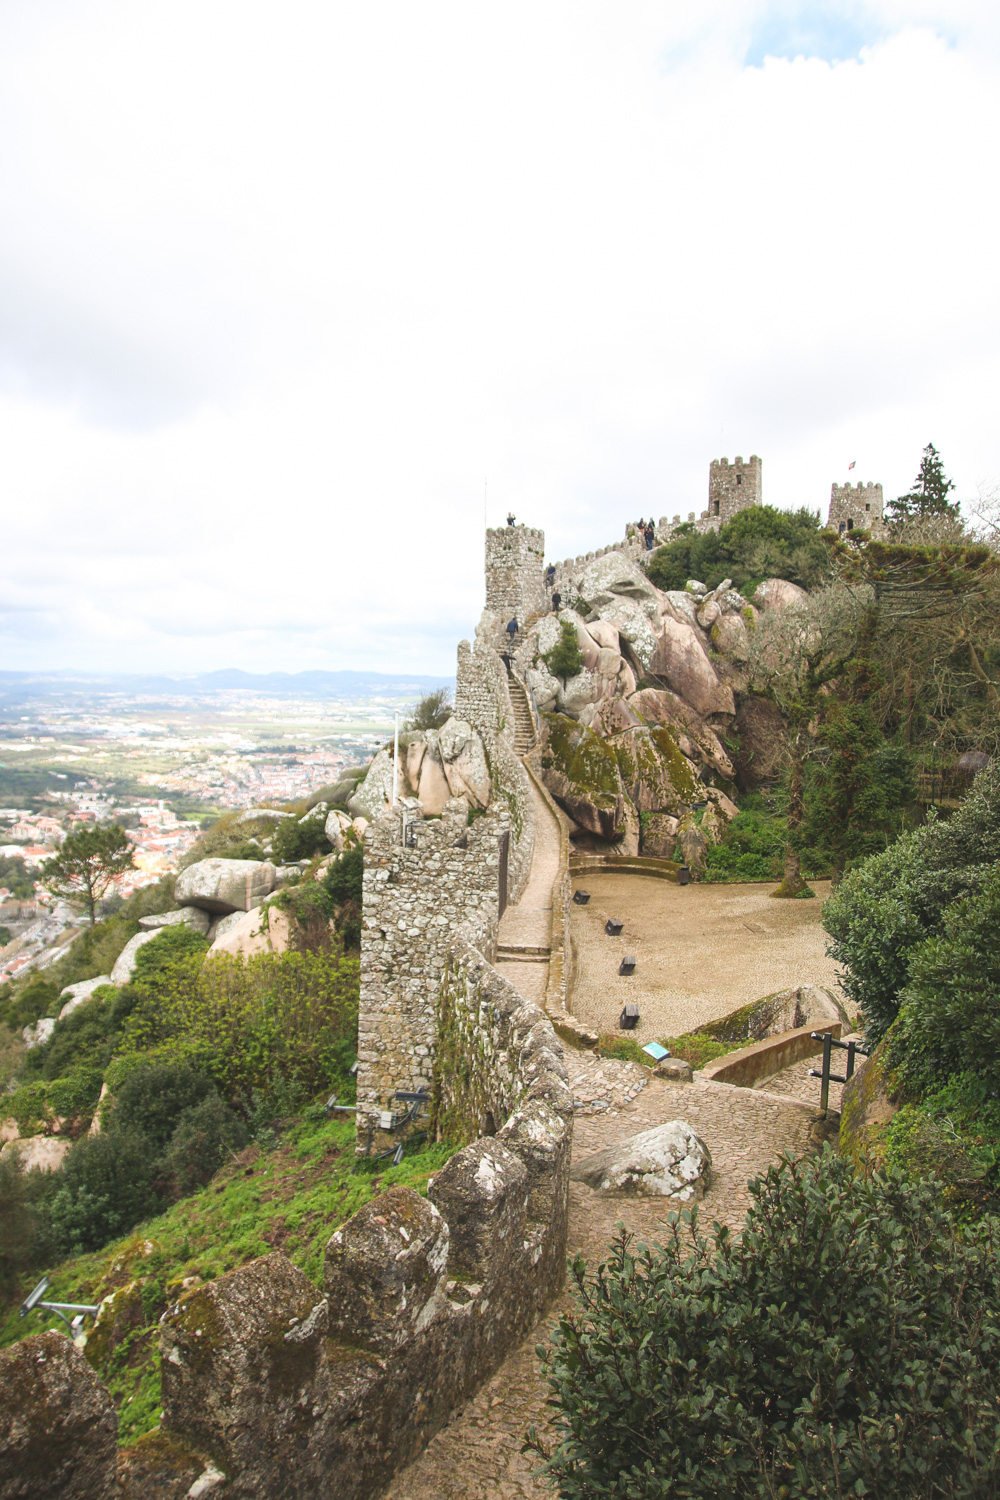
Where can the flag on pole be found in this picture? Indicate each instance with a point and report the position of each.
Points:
(850, 466)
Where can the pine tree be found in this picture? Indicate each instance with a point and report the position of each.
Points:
(929, 496)
(565, 659)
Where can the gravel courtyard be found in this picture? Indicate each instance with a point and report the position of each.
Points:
(702, 950)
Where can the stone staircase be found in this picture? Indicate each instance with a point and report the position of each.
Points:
(524, 724)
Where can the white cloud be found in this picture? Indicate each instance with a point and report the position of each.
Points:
(279, 288)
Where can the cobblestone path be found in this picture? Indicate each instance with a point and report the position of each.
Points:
(478, 1455)
(528, 924)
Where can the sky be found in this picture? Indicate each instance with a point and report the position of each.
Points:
(293, 298)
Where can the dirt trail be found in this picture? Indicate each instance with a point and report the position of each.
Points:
(702, 950)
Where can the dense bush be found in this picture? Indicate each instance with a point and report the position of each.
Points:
(431, 712)
(887, 906)
(271, 1017)
(752, 848)
(104, 1188)
(23, 1006)
(857, 790)
(950, 1016)
(760, 542)
(953, 1134)
(203, 1137)
(300, 838)
(847, 1344)
(151, 1100)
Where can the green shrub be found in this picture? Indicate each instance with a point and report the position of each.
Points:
(104, 1188)
(952, 1134)
(267, 1018)
(757, 543)
(889, 904)
(150, 1101)
(565, 660)
(6, 936)
(170, 945)
(294, 839)
(431, 712)
(950, 1016)
(24, 1239)
(85, 1039)
(752, 848)
(847, 1344)
(204, 1136)
(39, 997)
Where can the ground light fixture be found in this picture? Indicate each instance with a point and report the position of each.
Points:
(629, 1018)
(628, 963)
(613, 927)
(580, 898)
(35, 1302)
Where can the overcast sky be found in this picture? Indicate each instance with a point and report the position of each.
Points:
(282, 285)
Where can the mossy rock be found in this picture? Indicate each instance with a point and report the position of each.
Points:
(869, 1102)
(581, 771)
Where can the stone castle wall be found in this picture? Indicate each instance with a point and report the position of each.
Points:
(733, 487)
(515, 562)
(275, 1388)
(855, 506)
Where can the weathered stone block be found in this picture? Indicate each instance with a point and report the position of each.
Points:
(385, 1270)
(58, 1425)
(241, 1357)
(483, 1193)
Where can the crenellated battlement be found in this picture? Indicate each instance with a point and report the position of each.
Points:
(855, 506)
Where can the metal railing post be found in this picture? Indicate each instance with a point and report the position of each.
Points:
(851, 1046)
(824, 1094)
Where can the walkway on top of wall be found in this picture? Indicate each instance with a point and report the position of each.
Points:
(524, 939)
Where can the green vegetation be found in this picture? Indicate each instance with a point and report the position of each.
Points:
(431, 712)
(290, 1196)
(16, 877)
(847, 1344)
(87, 864)
(858, 789)
(891, 903)
(565, 660)
(929, 496)
(757, 543)
(300, 838)
(696, 1047)
(197, 1056)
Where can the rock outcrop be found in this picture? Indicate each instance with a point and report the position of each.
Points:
(193, 917)
(669, 1161)
(225, 885)
(434, 766)
(58, 1425)
(124, 964)
(75, 994)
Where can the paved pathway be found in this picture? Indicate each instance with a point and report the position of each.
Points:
(528, 924)
(479, 1454)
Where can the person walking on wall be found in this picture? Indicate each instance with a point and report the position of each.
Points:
(550, 575)
(510, 518)
(556, 601)
(650, 534)
(512, 628)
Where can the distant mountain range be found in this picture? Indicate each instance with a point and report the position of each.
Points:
(18, 686)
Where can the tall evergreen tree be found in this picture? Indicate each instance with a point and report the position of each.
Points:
(929, 496)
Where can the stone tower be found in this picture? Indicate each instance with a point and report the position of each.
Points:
(855, 507)
(732, 487)
(515, 577)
